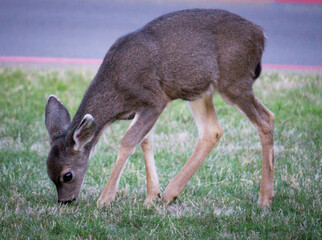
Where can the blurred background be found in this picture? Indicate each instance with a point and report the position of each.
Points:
(86, 29)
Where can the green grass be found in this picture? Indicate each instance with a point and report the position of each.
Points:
(218, 203)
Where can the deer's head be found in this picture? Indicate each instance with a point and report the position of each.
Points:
(67, 160)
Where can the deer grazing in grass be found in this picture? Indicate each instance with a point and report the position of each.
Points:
(186, 55)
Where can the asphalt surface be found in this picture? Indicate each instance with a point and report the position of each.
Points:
(87, 29)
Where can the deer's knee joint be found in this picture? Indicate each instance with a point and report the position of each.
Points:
(126, 149)
(267, 127)
(219, 133)
(213, 136)
(270, 119)
(146, 145)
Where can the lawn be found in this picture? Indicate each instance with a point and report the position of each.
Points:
(220, 201)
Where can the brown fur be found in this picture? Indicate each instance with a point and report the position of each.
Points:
(188, 55)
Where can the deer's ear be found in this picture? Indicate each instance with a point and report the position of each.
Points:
(85, 132)
(57, 117)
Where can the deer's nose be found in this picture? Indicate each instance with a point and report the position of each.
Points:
(67, 202)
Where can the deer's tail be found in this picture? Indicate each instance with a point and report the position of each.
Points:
(257, 71)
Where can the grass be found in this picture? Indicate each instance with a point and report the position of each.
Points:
(218, 203)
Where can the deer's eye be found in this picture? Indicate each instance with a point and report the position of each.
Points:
(67, 177)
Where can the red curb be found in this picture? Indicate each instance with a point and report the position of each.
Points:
(18, 59)
(49, 60)
(298, 1)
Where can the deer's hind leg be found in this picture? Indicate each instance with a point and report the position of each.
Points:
(152, 181)
(263, 119)
(209, 131)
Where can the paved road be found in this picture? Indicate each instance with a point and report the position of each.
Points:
(86, 29)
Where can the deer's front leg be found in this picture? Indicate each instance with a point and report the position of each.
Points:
(152, 181)
(140, 126)
(109, 192)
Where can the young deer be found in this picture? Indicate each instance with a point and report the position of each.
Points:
(189, 55)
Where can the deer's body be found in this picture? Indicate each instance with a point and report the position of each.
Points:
(188, 55)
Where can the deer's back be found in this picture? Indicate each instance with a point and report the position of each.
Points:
(186, 53)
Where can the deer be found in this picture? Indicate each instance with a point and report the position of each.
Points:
(188, 55)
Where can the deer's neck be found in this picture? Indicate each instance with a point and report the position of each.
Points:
(99, 101)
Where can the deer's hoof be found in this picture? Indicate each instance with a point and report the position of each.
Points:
(151, 198)
(264, 202)
(168, 198)
(105, 202)
(148, 202)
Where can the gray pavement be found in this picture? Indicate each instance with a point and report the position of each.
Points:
(86, 29)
